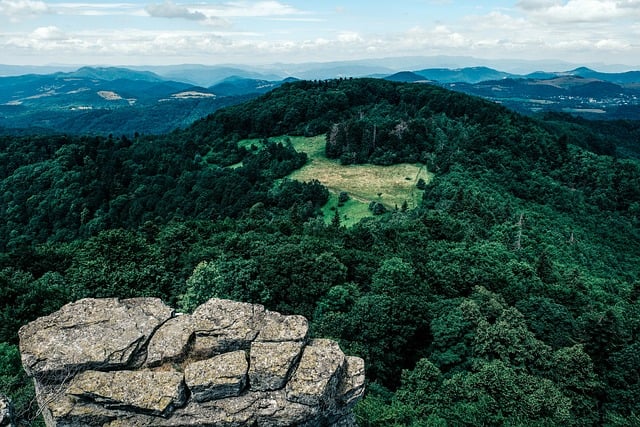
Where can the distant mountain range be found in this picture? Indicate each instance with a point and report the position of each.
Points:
(483, 74)
(581, 91)
(159, 99)
(115, 100)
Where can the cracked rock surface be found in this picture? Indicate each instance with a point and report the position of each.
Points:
(6, 412)
(134, 362)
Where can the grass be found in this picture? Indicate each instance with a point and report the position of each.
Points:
(389, 185)
(351, 212)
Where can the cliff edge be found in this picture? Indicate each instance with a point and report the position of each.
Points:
(135, 362)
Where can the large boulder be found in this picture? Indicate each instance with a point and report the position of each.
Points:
(110, 362)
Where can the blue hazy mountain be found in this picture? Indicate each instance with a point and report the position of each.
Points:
(565, 92)
(465, 75)
(236, 86)
(158, 99)
(206, 75)
(104, 100)
(406, 77)
(620, 78)
(115, 73)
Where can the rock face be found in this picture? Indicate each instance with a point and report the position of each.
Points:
(6, 412)
(134, 362)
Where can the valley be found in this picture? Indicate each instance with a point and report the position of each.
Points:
(505, 292)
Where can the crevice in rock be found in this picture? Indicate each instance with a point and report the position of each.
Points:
(202, 380)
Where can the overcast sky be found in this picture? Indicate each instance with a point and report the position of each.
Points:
(153, 32)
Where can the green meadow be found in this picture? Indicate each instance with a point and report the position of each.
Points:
(390, 185)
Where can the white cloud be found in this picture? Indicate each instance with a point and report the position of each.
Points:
(629, 4)
(19, 8)
(248, 9)
(580, 11)
(349, 37)
(534, 5)
(97, 9)
(574, 30)
(48, 40)
(48, 33)
(219, 14)
(438, 37)
(262, 8)
(169, 9)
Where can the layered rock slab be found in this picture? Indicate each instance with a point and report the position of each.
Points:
(91, 334)
(153, 392)
(219, 377)
(135, 363)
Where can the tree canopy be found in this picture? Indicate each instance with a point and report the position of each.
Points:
(510, 296)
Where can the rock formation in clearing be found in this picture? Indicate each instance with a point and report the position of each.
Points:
(134, 362)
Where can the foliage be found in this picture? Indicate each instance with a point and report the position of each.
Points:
(510, 296)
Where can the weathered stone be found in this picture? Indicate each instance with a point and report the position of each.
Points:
(61, 409)
(352, 387)
(6, 412)
(153, 392)
(171, 341)
(222, 326)
(101, 379)
(218, 377)
(280, 328)
(317, 376)
(255, 409)
(90, 334)
(271, 362)
(268, 409)
(261, 409)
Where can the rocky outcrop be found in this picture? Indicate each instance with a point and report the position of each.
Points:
(6, 412)
(134, 362)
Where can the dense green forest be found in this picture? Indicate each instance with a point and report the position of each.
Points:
(509, 297)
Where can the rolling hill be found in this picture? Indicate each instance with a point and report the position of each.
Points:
(121, 100)
(105, 100)
(507, 295)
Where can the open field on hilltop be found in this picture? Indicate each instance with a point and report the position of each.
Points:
(389, 185)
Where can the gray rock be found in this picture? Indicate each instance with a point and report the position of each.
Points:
(270, 409)
(218, 377)
(279, 328)
(6, 412)
(171, 341)
(352, 387)
(222, 326)
(90, 334)
(271, 363)
(129, 363)
(153, 392)
(318, 374)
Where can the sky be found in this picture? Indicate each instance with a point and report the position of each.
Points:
(162, 32)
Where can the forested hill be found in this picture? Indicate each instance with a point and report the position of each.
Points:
(509, 297)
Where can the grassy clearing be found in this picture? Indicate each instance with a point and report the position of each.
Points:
(351, 212)
(389, 185)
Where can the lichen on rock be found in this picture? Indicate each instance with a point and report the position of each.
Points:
(6, 412)
(134, 362)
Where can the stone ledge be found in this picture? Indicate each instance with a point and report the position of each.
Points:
(134, 362)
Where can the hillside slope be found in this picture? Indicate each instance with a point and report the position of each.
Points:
(510, 296)
(105, 100)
